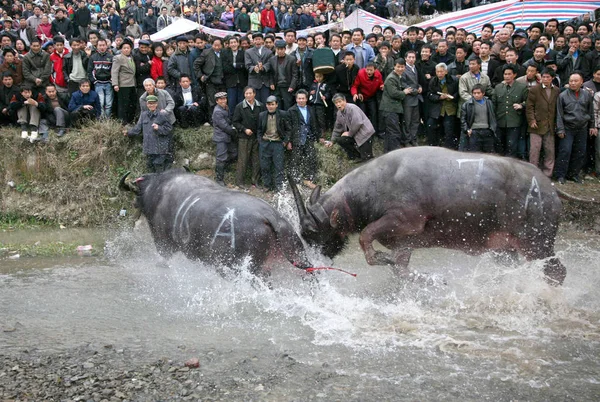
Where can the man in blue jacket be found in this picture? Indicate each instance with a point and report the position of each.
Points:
(84, 104)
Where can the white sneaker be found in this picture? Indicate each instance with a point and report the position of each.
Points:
(24, 134)
(33, 138)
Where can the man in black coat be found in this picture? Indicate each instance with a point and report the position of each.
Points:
(83, 18)
(284, 75)
(345, 74)
(234, 70)
(304, 133)
(273, 136)
(54, 111)
(245, 120)
(142, 57)
(209, 70)
(149, 23)
(190, 106)
(62, 26)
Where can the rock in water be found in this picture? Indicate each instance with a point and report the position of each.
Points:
(192, 363)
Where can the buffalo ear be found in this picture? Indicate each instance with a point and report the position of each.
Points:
(315, 195)
(333, 219)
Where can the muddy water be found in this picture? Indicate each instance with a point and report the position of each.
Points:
(476, 331)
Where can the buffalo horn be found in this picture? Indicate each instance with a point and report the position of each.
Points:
(298, 198)
(315, 195)
(126, 186)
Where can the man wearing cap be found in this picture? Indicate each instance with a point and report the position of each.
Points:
(223, 137)
(256, 60)
(519, 39)
(284, 75)
(209, 70)
(8, 29)
(179, 62)
(142, 57)
(166, 104)
(158, 136)
(273, 136)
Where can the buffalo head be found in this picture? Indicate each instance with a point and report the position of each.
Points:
(319, 228)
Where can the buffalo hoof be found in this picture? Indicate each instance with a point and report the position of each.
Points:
(382, 258)
(555, 272)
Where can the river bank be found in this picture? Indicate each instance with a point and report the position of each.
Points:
(72, 183)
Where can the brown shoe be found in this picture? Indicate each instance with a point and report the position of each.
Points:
(309, 184)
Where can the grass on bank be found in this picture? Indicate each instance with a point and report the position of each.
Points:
(52, 249)
(72, 181)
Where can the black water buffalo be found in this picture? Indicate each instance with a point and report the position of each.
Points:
(207, 222)
(434, 197)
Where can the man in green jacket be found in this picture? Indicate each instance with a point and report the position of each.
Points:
(509, 100)
(391, 106)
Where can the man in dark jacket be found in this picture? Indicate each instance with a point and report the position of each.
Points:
(234, 70)
(179, 62)
(245, 120)
(209, 70)
(273, 136)
(83, 18)
(574, 121)
(284, 75)
(62, 26)
(304, 133)
(99, 74)
(8, 92)
(84, 104)
(478, 121)
(142, 57)
(345, 74)
(443, 108)
(54, 110)
(190, 106)
(223, 137)
(304, 61)
(150, 22)
(75, 65)
(158, 136)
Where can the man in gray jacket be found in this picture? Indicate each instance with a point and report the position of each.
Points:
(352, 130)
(223, 137)
(158, 136)
(166, 104)
(256, 60)
(574, 121)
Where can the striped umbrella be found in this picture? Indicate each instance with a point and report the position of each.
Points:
(521, 13)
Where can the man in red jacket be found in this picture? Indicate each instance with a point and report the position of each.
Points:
(366, 92)
(267, 18)
(57, 78)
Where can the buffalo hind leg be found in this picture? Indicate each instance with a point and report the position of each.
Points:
(383, 229)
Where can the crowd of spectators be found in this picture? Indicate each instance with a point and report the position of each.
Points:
(532, 94)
